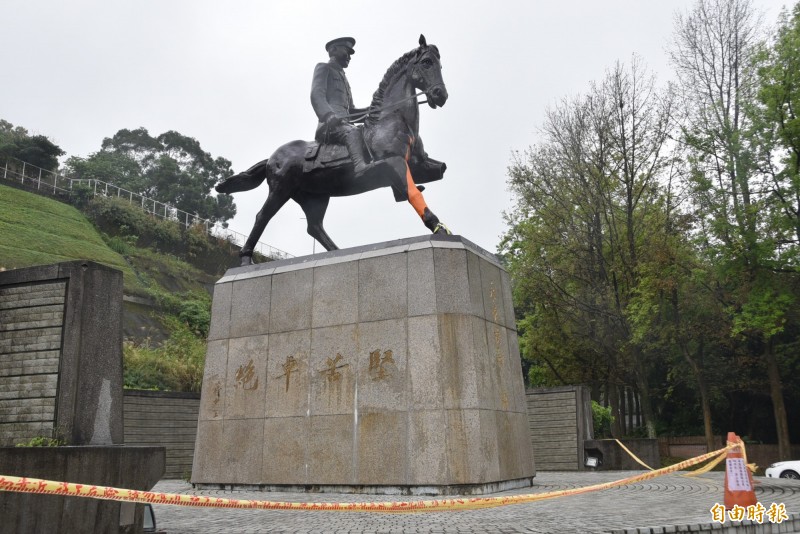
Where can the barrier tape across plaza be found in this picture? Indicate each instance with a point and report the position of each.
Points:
(705, 469)
(49, 487)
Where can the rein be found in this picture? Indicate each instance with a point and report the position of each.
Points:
(389, 107)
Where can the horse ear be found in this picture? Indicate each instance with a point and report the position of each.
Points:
(422, 41)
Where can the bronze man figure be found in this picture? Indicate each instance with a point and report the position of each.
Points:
(333, 102)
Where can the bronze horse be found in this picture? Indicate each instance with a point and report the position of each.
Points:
(298, 171)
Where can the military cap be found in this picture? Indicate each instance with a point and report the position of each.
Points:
(347, 42)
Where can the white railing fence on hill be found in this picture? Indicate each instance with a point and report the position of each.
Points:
(49, 182)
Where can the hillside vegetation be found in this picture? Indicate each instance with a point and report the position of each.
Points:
(165, 342)
(36, 230)
(168, 268)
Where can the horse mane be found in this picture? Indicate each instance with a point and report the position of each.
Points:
(394, 68)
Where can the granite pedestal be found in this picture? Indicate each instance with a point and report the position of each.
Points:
(392, 368)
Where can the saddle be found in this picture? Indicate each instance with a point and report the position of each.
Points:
(325, 156)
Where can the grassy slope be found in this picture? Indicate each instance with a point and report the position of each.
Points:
(36, 230)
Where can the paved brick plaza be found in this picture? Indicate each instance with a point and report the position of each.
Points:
(672, 503)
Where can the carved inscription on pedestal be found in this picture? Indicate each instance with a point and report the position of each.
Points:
(289, 366)
(332, 366)
(245, 375)
(380, 366)
(499, 357)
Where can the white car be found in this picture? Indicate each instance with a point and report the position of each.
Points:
(789, 469)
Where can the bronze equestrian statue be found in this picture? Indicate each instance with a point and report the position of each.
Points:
(311, 172)
(332, 101)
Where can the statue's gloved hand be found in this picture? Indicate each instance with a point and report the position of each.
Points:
(332, 121)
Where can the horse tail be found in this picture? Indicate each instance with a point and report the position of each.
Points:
(244, 181)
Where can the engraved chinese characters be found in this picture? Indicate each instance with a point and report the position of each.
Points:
(380, 367)
(331, 368)
(245, 375)
(288, 368)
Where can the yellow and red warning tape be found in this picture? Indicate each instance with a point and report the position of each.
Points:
(49, 487)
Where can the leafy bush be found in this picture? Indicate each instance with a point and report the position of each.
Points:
(197, 315)
(120, 244)
(42, 441)
(81, 194)
(602, 419)
(175, 366)
(118, 217)
(193, 308)
(197, 240)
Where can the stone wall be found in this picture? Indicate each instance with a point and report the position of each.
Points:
(31, 322)
(122, 467)
(560, 419)
(164, 418)
(762, 454)
(61, 354)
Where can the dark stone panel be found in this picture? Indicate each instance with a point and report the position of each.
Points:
(127, 467)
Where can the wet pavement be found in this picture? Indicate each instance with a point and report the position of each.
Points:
(671, 503)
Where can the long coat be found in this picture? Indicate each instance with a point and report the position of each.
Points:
(330, 94)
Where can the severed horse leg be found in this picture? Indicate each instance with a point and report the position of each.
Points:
(417, 201)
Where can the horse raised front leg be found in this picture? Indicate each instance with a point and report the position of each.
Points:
(416, 200)
(315, 206)
(275, 201)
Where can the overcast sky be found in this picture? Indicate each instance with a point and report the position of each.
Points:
(236, 76)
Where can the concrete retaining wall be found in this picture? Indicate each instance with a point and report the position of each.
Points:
(167, 419)
(61, 353)
(32, 319)
(560, 419)
(762, 454)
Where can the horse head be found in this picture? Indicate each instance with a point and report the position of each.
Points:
(426, 73)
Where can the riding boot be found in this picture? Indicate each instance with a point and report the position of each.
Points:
(432, 222)
(355, 145)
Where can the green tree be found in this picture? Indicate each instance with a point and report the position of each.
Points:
(675, 315)
(717, 45)
(171, 168)
(586, 204)
(37, 150)
(777, 131)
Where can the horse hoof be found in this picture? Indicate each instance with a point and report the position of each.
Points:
(246, 260)
(441, 229)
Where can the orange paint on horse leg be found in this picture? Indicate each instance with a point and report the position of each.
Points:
(414, 196)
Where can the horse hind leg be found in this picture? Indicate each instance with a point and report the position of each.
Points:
(315, 206)
(275, 201)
